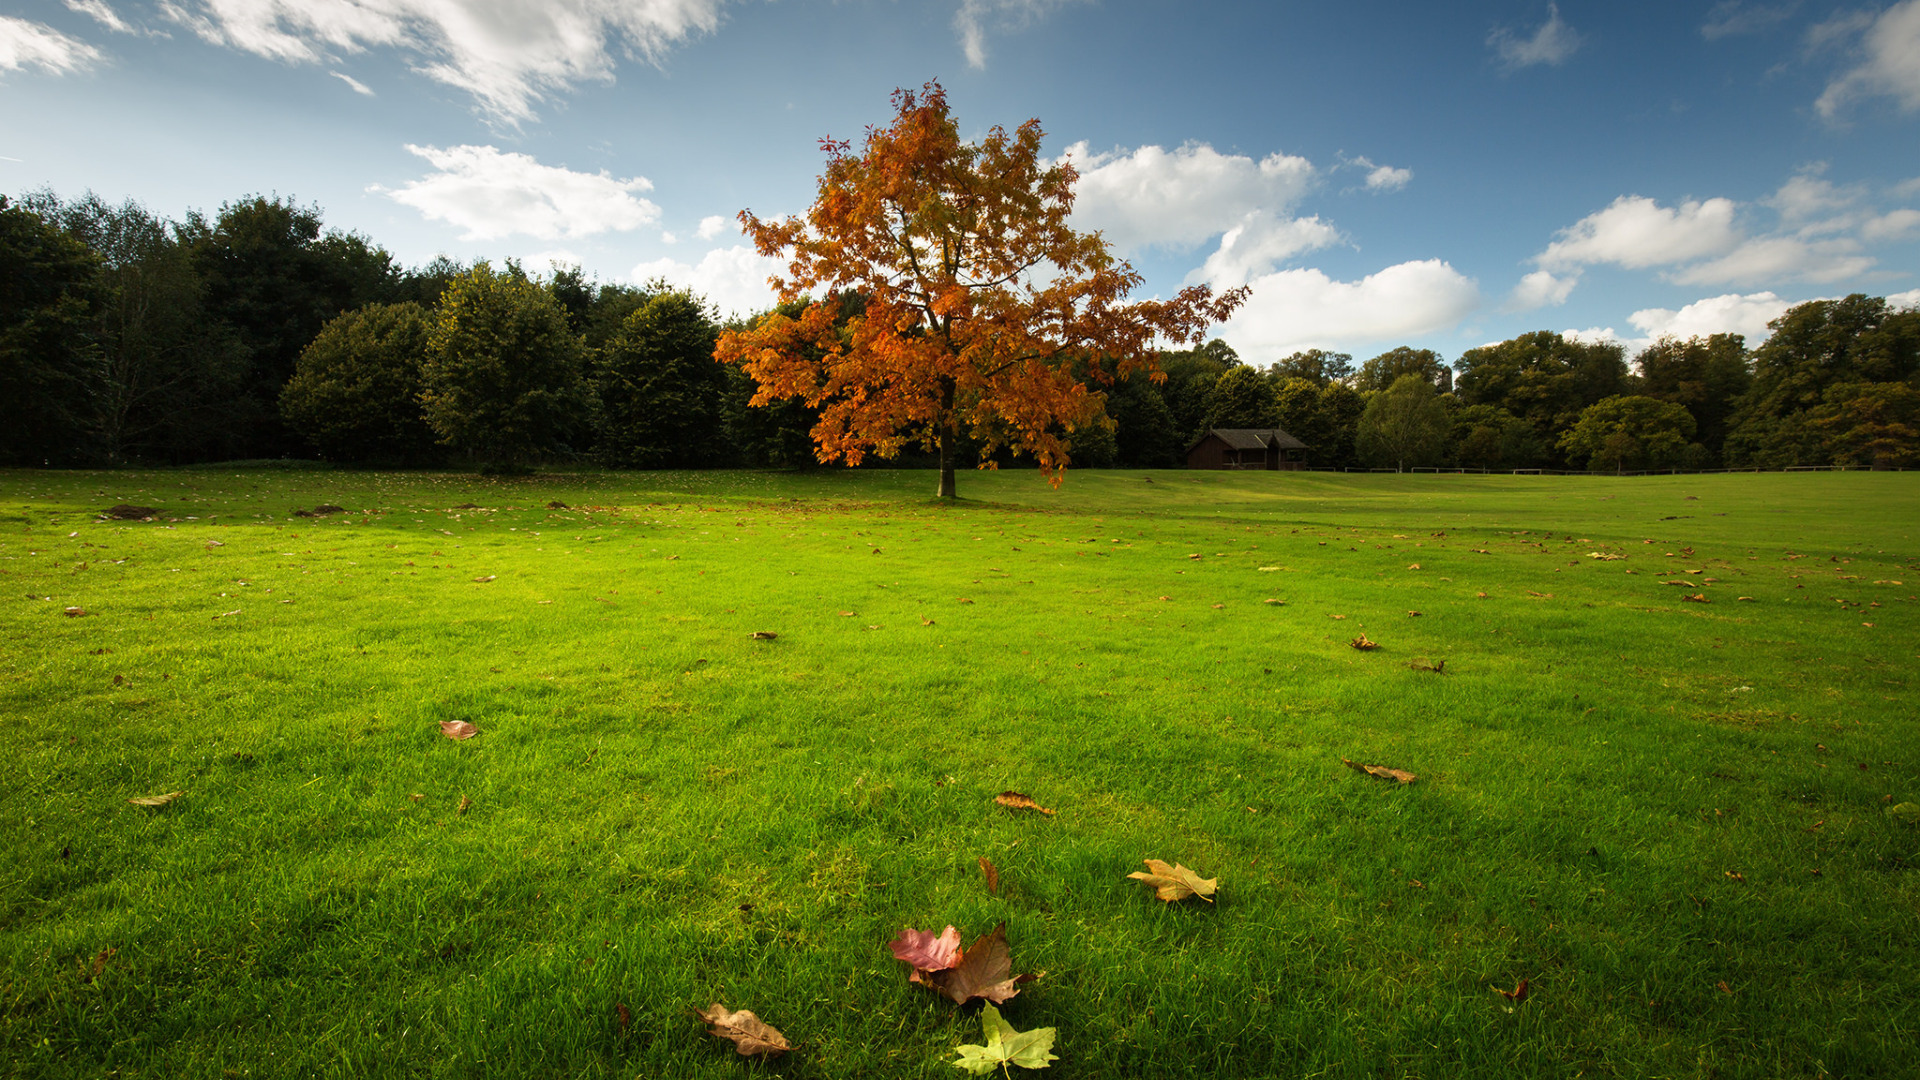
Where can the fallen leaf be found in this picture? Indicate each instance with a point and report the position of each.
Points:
(992, 874)
(1176, 882)
(749, 1033)
(416, 796)
(226, 614)
(1735, 875)
(924, 621)
(1606, 557)
(982, 971)
(1480, 595)
(484, 580)
(846, 614)
(1415, 566)
(558, 505)
(1381, 771)
(926, 952)
(1421, 663)
(1336, 617)
(764, 635)
(1743, 598)
(1013, 800)
(119, 680)
(1697, 598)
(74, 612)
(1413, 614)
(156, 800)
(1363, 644)
(1517, 994)
(466, 804)
(1218, 606)
(100, 962)
(1541, 595)
(625, 1016)
(964, 600)
(458, 729)
(1723, 987)
(1273, 600)
(1005, 1046)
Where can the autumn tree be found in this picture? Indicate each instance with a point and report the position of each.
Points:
(983, 308)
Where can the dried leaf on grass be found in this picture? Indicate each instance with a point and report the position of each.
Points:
(750, 1034)
(1381, 771)
(1604, 556)
(1363, 644)
(92, 971)
(1013, 800)
(458, 729)
(984, 970)
(1005, 1046)
(1517, 994)
(74, 612)
(1421, 663)
(1697, 598)
(1541, 595)
(764, 635)
(991, 873)
(156, 800)
(1176, 882)
(926, 952)
(484, 580)
(466, 804)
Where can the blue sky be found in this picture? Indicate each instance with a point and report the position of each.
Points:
(1438, 175)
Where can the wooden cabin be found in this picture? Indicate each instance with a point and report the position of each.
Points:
(1247, 448)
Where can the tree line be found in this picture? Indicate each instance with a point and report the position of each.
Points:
(259, 333)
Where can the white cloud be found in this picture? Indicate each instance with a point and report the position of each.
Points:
(99, 12)
(1303, 309)
(1729, 314)
(358, 86)
(1388, 178)
(1807, 196)
(1890, 66)
(1156, 198)
(1635, 232)
(1551, 44)
(1731, 17)
(711, 227)
(971, 21)
(491, 194)
(26, 44)
(509, 54)
(1892, 225)
(1542, 289)
(1779, 258)
(734, 279)
(1905, 301)
(1260, 242)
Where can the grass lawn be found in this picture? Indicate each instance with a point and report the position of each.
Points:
(1671, 817)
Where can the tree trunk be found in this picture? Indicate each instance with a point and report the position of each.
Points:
(949, 435)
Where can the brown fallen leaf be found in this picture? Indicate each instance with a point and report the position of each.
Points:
(1735, 875)
(763, 635)
(1273, 600)
(1480, 595)
(458, 729)
(1413, 614)
(749, 1033)
(1176, 882)
(484, 580)
(847, 614)
(1415, 566)
(1013, 800)
(985, 970)
(1697, 598)
(624, 1015)
(74, 612)
(991, 873)
(466, 804)
(119, 680)
(1723, 987)
(156, 800)
(1421, 663)
(1541, 595)
(100, 963)
(1363, 644)
(926, 952)
(1743, 598)
(558, 505)
(416, 796)
(1381, 771)
(1517, 994)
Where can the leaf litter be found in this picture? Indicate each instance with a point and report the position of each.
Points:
(156, 800)
(749, 1034)
(1383, 772)
(458, 729)
(1013, 800)
(1176, 882)
(1005, 1046)
(983, 970)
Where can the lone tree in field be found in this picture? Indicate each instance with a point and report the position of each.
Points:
(981, 309)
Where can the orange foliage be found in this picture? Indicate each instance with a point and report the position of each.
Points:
(976, 307)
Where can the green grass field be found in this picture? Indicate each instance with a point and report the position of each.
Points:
(1671, 817)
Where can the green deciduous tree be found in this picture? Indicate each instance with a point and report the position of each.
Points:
(1630, 431)
(1865, 423)
(1297, 410)
(49, 363)
(504, 379)
(661, 393)
(1814, 347)
(1240, 398)
(1542, 378)
(1383, 370)
(1404, 425)
(1341, 407)
(1490, 437)
(1705, 375)
(355, 393)
(1317, 366)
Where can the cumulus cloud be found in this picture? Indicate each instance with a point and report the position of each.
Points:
(1905, 301)
(1551, 44)
(1893, 225)
(1731, 17)
(1153, 197)
(711, 227)
(1636, 232)
(1729, 314)
(1388, 178)
(25, 44)
(733, 279)
(1302, 309)
(492, 194)
(99, 12)
(509, 54)
(976, 17)
(1260, 242)
(358, 86)
(1779, 258)
(1889, 59)
(1542, 289)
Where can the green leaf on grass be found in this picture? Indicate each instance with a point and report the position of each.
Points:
(1005, 1046)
